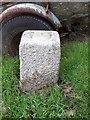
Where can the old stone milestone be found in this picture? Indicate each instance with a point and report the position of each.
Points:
(39, 53)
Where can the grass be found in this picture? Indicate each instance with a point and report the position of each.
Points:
(73, 69)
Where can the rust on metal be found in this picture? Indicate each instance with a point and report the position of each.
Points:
(47, 6)
(47, 9)
(34, 9)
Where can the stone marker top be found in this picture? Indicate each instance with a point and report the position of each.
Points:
(30, 37)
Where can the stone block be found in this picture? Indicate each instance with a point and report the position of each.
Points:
(39, 53)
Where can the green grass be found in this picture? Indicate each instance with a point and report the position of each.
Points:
(73, 69)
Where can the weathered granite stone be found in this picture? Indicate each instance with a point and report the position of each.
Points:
(39, 53)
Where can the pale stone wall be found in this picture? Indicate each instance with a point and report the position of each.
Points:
(39, 59)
